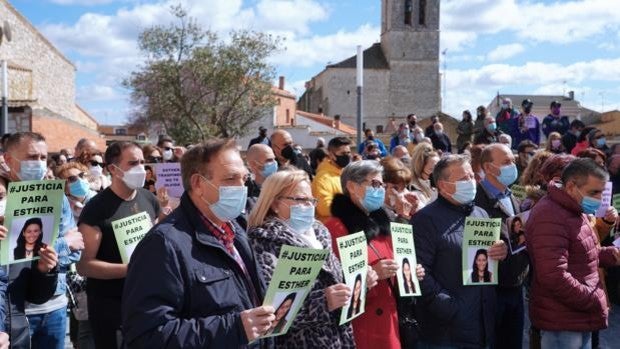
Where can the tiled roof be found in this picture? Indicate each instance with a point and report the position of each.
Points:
(373, 59)
(329, 122)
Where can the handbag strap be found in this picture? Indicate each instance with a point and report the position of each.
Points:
(389, 280)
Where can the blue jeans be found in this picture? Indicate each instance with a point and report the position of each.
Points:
(565, 340)
(47, 331)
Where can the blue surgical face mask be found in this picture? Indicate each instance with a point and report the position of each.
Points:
(465, 192)
(269, 168)
(589, 205)
(79, 188)
(301, 218)
(508, 174)
(601, 142)
(231, 202)
(32, 170)
(373, 198)
(492, 127)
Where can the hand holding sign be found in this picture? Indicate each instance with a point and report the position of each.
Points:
(611, 214)
(3, 232)
(385, 268)
(420, 272)
(337, 296)
(257, 321)
(48, 261)
(74, 239)
(498, 251)
(371, 278)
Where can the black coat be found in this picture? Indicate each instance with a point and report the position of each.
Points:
(448, 312)
(184, 290)
(514, 269)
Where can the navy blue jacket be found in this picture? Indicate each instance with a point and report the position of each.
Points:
(184, 290)
(448, 312)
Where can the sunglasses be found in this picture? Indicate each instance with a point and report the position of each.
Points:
(155, 159)
(167, 148)
(73, 179)
(96, 163)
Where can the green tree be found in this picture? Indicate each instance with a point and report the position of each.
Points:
(199, 86)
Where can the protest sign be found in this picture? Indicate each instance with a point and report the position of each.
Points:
(32, 218)
(293, 278)
(404, 255)
(530, 122)
(518, 191)
(129, 231)
(616, 201)
(516, 231)
(605, 200)
(168, 175)
(354, 259)
(478, 236)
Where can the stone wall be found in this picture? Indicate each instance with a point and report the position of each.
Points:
(53, 75)
(339, 95)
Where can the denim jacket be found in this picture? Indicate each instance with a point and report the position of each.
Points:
(66, 257)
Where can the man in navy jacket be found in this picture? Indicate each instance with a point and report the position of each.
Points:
(192, 282)
(449, 313)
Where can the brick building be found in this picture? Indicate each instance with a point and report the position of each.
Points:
(401, 73)
(42, 87)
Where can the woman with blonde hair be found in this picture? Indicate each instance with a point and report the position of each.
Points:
(423, 161)
(284, 215)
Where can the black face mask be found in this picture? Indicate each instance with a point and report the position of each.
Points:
(343, 160)
(412, 123)
(288, 153)
(372, 156)
(371, 138)
(263, 134)
(527, 110)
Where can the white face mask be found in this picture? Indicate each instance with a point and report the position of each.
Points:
(2, 206)
(167, 155)
(134, 178)
(95, 171)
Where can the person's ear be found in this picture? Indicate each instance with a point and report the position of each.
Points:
(195, 182)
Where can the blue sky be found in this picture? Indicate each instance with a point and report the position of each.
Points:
(511, 46)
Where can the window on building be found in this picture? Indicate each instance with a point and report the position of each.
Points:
(408, 12)
(120, 131)
(141, 137)
(288, 116)
(422, 13)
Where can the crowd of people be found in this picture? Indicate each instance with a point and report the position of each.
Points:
(199, 277)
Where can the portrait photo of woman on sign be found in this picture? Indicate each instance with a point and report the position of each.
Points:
(29, 240)
(356, 299)
(281, 313)
(407, 277)
(480, 267)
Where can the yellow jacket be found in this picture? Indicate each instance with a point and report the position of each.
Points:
(325, 185)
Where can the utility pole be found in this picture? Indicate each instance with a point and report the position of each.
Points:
(444, 53)
(360, 99)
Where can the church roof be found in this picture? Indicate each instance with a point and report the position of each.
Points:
(373, 59)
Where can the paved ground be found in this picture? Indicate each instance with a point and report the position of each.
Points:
(609, 338)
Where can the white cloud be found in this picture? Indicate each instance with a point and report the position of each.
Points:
(305, 52)
(469, 88)
(503, 52)
(97, 93)
(82, 2)
(563, 22)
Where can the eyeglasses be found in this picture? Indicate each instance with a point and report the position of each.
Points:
(155, 159)
(300, 200)
(96, 163)
(73, 179)
(167, 148)
(376, 184)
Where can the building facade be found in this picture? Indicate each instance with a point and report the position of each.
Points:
(401, 73)
(42, 86)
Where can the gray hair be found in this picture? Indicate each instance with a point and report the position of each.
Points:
(440, 172)
(358, 171)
